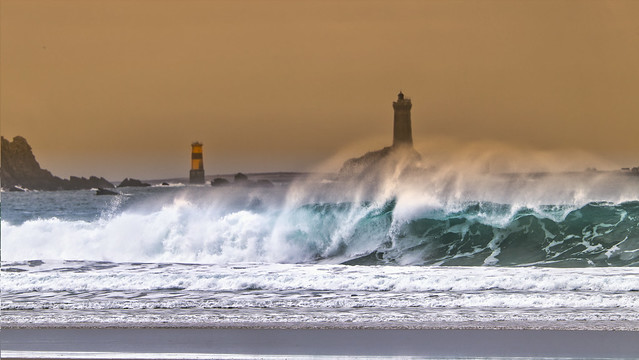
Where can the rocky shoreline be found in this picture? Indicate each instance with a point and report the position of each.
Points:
(20, 170)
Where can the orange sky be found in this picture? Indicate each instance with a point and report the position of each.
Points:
(121, 88)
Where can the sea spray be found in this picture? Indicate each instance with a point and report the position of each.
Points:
(233, 225)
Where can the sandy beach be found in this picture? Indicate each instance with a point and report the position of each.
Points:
(206, 343)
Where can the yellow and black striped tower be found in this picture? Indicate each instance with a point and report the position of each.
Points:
(196, 175)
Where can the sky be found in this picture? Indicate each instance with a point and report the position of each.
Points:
(120, 89)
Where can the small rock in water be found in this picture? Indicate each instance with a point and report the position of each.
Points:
(240, 178)
(133, 183)
(219, 182)
(102, 191)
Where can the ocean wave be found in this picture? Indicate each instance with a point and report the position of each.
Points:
(395, 216)
(366, 233)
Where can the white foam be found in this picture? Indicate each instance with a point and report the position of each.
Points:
(184, 356)
(283, 277)
(171, 184)
(126, 294)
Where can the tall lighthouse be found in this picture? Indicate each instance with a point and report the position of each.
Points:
(402, 132)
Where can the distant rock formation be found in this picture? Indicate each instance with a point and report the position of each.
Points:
(375, 161)
(92, 182)
(219, 182)
(357, 165)
(132, 183)
(20, 168)
(240, 179)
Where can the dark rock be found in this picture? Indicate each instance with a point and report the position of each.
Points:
(132, 183)
(93, 182)
(380, 161)
(20, 168)
(357, 165)
(219, 182)
(34, 263)
(240, 178)
(102, 191)
(165, 184)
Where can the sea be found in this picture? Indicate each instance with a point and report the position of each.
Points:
(425, 251)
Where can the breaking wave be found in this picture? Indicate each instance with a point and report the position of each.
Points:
(231, 225)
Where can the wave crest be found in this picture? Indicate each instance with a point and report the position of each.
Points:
(256, 229)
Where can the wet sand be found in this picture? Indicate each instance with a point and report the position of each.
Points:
(209, 343)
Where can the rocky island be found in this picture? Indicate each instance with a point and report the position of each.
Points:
(241, 179)
(20, 170)
(133, 183)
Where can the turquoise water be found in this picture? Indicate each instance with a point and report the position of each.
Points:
(206, 225)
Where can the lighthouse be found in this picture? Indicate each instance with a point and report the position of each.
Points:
(402, 132)
(196, 175)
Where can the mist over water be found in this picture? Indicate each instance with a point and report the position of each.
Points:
(463, 211)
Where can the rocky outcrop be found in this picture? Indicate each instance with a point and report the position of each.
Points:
(90, 183)
(358, 165)
(219, 182)
(381, 160)
(240, 179)
(20, 168)
(102, 191)
(132, 183)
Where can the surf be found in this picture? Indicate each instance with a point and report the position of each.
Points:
(318, 223)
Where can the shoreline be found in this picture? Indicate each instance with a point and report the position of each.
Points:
(603, 326)
(227, 343)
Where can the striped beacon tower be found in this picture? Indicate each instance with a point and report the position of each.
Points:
(196, 175)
